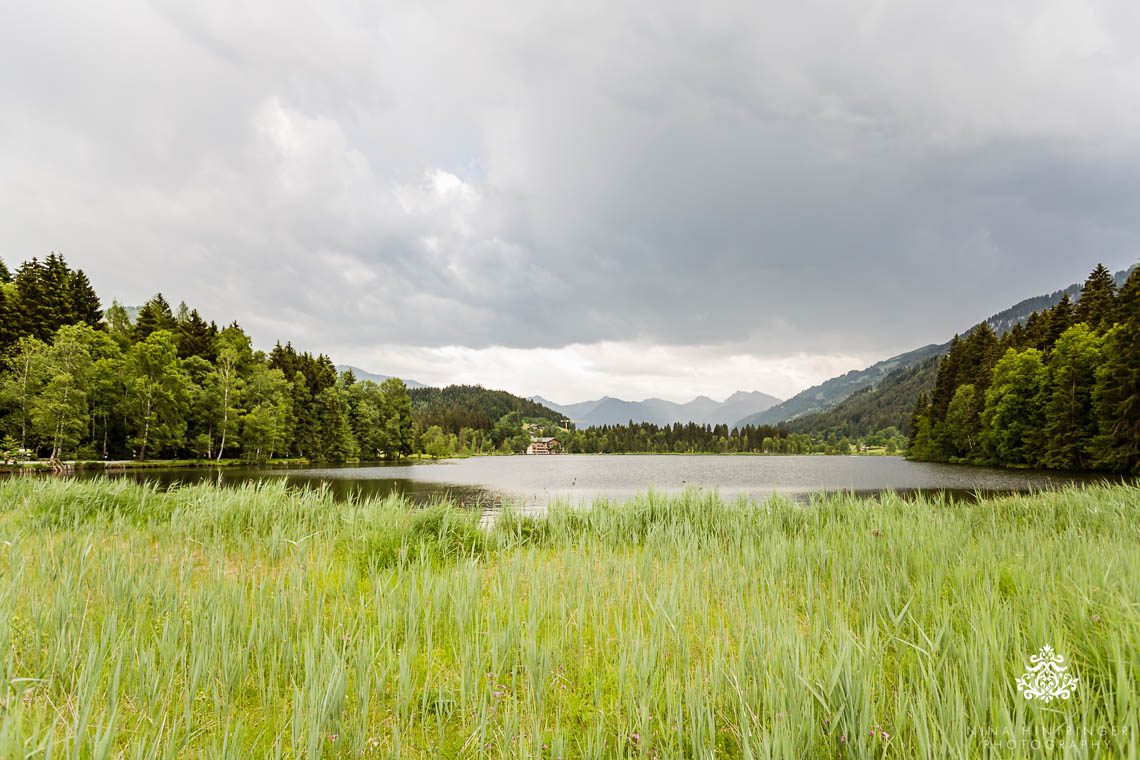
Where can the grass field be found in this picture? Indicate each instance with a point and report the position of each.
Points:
(258, 622)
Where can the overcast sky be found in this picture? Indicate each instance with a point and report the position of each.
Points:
(576, 198)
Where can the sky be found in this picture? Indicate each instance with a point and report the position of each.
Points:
(576, 199)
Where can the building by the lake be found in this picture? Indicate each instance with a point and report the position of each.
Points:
(543, 446)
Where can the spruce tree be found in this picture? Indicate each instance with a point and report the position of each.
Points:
(196, 337)
(31, 313)
(1060, 319)
(155, 315)
(1096, 303)
(56, 294)
(84, 302)
(7, 320)
(1116, 398)
(946, 382)
(5, 275)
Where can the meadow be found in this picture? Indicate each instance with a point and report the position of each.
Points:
(265, 622)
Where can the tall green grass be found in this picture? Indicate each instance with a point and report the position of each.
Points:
(259, 622)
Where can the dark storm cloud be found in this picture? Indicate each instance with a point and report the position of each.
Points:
(816, 177)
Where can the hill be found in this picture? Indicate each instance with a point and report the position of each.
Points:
(472, 406)
(701, 410)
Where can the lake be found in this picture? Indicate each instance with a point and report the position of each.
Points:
(534, 481)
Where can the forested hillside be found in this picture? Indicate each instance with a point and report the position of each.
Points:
(885, 408)
(1061, 391)
(829, 393)
(890, 403)
(459, 406)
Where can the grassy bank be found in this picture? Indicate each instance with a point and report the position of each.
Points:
(260, 623)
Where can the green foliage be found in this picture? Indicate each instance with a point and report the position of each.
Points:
(1116, 397)
(471, 406)
(156, 394)
(1069, 423)
(1014, 416)
(1066, 393)
(154, 315)
(963, 418)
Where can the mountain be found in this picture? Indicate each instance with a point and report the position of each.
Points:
(874, 408)
(827, 394)
(702, 409)
(881, 403)
(363, 375)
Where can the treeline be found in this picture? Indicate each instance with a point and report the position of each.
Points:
(78, 383)
(694, 438)
(1061, 391)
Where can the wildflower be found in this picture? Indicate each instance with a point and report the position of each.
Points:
(1096, 618)
(843, 738)
(332, 737)
(779, 715)
(886, 736)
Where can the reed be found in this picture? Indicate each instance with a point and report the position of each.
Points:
(264, 622)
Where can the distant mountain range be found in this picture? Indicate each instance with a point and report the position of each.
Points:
(364, 375)
(702, 410)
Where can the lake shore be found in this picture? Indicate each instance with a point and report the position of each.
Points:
(281, 622)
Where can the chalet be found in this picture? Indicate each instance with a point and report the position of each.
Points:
(543, 446)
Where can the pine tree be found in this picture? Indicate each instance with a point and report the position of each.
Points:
(7, 319)
(155, 315)
(919, 445)
(196, 337)
(1096, 303)
(1060, 319)
(1116, 397)
(31, 313)
(946, 381)
(56, 294)
(84, 302)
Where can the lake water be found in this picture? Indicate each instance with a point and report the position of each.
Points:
(534, 481)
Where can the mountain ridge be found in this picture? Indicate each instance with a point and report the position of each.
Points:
(798, 407)
(362, 374)
(609, 410)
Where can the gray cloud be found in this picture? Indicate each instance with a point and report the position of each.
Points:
(783, 177)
